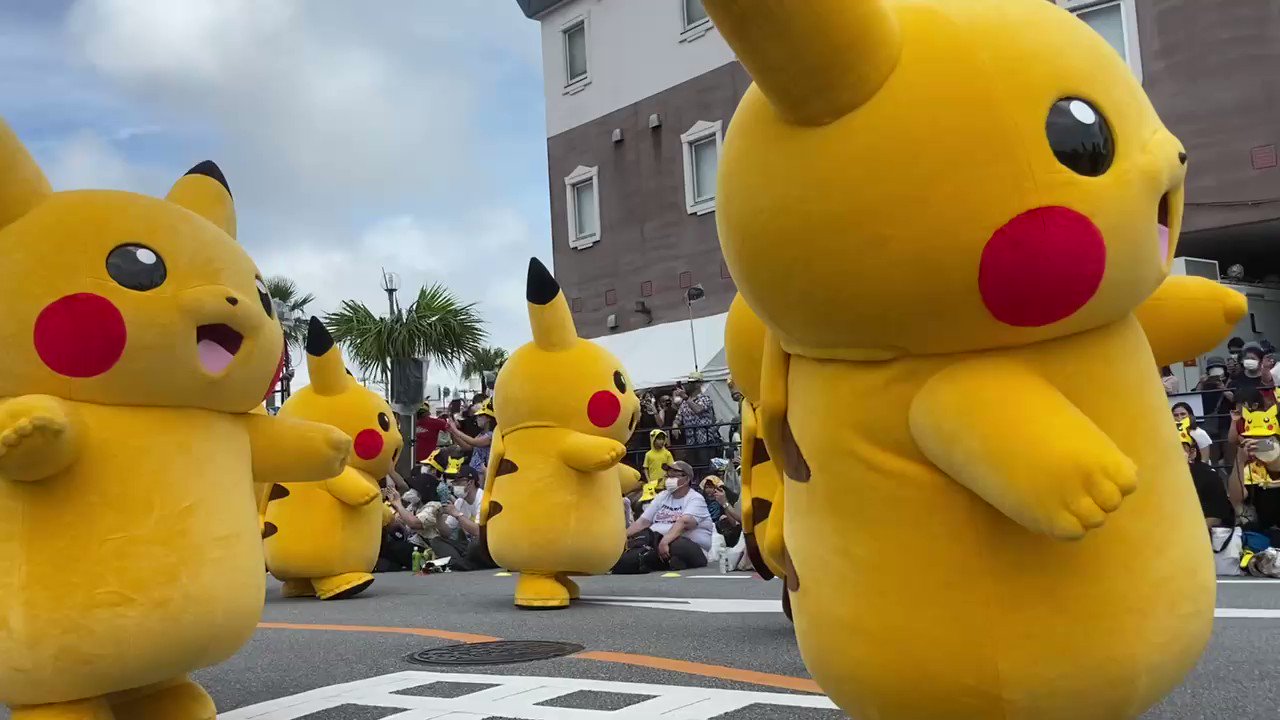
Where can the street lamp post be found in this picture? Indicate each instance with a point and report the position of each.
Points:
(691, 296)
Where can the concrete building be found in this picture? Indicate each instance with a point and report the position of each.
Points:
(640, 92)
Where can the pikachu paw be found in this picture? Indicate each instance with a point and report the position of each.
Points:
(338, 446)
(1091, 493)
(34, 437)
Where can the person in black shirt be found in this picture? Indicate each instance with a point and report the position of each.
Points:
(1210, 487)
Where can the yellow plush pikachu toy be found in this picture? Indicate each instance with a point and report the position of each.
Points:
(322, 539)
(1258, 425)
(137, 338)
(945, 214)
(553, 493)
(762, 489)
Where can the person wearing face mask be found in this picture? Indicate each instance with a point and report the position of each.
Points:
(1250, 378)
(457, 524)
(674, 532)
(479, 444)
(1258, 462)
(1210, 488)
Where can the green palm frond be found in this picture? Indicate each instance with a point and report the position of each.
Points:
(284, 293)
(486, 359)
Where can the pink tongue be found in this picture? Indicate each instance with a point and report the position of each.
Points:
(213, 357)
(1163, 232)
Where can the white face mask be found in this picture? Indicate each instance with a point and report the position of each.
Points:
(1251, 364)
(459, 491)
(1217, 372)
(677, 400)
(672, 484)
(1268, 451)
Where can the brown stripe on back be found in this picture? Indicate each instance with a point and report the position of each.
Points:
(757, 560)
(759, 452)
(793, 580)
(760, 509)
(786, 604)
(506, 467)
(793, 462)
(495, 509)
(269, 529)
(278, 492)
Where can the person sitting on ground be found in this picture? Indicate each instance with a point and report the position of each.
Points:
(676, 527)
(1210, 486)
(721, 505)
(432, 481)
(457, 525)
(1182, 412)
(478, 444)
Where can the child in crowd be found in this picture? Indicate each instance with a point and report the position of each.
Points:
(655, 460)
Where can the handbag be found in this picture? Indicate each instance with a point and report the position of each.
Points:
(1228, 546)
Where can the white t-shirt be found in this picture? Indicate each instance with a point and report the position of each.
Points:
(665, 509)
(469, 510)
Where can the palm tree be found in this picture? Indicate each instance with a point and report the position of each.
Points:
(486, 359)
(436, 327)
(290, 306)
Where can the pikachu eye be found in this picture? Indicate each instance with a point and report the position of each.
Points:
(136, 267)
(384, 422)
(619, 381)
(1080, 137)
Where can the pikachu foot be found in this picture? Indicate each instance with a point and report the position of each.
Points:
(569, 585)
(96, 709)
(180, 699)
(297, 589)
(341, 587)
(541, 591)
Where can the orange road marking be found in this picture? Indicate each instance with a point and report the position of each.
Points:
(752, 677)
(721, 672)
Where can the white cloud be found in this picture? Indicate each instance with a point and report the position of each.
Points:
(88, 160)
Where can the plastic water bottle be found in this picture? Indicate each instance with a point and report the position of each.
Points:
(417, 560)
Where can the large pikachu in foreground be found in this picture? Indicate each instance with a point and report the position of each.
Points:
(137, 338)
(553, 493)
(946, 215)
(322, 539)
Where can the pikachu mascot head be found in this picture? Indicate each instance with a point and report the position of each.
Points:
(565, 407)
(137, 338)
(322, 539)
(945, 214)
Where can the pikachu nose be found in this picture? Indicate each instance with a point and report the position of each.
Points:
(232, 301)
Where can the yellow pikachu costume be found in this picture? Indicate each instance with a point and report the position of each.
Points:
(762, 490)
(322, 539)
(553, 493)
(946, 213)
(137, 338)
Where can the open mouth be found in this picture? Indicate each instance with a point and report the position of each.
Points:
(217, 346)
(1162, 222)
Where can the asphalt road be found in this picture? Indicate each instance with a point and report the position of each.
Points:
(711, 647)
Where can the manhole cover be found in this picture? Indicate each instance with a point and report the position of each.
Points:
(503, 652)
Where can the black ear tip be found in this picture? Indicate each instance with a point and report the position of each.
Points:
(319, 341)
(210, 169)
(542, 286)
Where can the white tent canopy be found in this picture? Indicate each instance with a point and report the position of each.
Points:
(663, 354)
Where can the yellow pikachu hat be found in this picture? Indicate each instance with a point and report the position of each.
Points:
(1261, 423)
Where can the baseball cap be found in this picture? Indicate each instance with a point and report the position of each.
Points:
(681, 467)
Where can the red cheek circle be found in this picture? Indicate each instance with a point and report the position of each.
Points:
(368, 444)
(80, 336)
(1042, 267)
(603, 409)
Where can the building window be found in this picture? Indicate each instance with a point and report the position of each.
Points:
(610, 297)
(582, 203)
(694, 20)
(1116, 21)
(576, 71)
(646, 288)
(686, 280)
(576, 304)
(701, 160)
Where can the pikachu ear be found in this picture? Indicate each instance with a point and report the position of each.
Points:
(815, 60)
(205, 192)
(549, 315)
(22, 184)
(329, 376)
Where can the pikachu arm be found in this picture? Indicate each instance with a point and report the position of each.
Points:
(352, 487)
(750, 433)
(1189, 316)
(1036, 458)
(628, 479)
(771, 414)
(39, 437)
(590, 453)
(287, 450)
(497, 452)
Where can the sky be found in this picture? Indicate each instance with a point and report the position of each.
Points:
(411, 137)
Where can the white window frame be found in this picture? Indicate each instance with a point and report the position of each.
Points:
(580, 175)
(575, 86)
(701, 130)
(692, 31)
(1129, 16)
